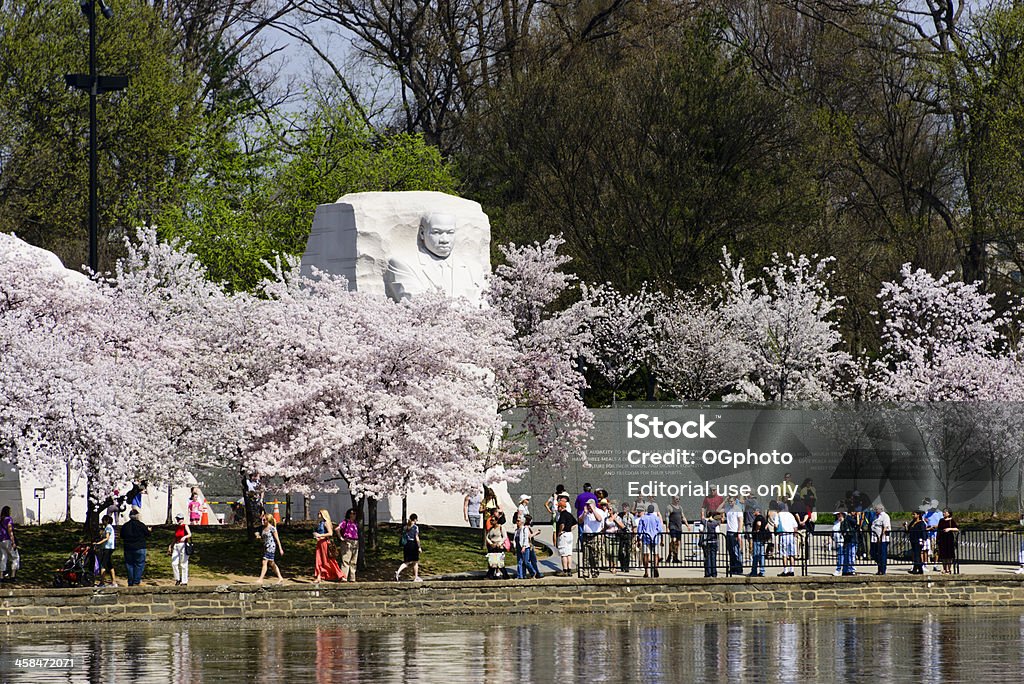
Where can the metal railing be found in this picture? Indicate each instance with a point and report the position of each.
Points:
(802, 550)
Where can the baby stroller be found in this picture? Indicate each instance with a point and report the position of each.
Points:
(80, 569)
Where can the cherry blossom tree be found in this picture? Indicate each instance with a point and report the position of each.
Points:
(83, 375)
(44, 325)
(934, 332)
(545, 380)
(947, 360)
(787, 321)
(699, 356)
(623, 332)
(203, 342)
(389, 396)
(154, 371)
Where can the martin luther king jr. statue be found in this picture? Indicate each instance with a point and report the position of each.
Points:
(402, 244)
(434, 267)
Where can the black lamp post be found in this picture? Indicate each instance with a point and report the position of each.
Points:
(94, 84)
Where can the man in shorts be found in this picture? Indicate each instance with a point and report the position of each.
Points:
(647, 530)
(564, 524)
(786, 529)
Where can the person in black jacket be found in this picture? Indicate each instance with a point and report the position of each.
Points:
(917, 530)
(709, 542)
(564, 524)
(761, 536)
(133, 536)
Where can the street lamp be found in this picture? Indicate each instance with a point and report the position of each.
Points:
(94, 84)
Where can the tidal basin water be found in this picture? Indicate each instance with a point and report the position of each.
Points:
(941, 646)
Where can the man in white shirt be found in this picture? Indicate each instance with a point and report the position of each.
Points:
(733, 527)
(591, 526)
(881, 526)
(786, 527)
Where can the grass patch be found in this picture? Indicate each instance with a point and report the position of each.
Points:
(225, 553)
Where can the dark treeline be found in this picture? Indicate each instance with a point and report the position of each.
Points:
(650, 134)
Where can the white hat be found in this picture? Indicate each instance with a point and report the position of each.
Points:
(524, 497)
(179, 516)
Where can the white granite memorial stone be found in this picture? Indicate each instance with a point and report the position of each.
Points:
(399, 244)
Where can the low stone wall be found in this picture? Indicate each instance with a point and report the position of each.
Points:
(377, 599)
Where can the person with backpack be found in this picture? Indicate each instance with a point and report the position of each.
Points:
(411, 549)
(849, 529)
(525, 554)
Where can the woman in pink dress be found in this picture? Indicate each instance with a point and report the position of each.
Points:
(325, 567)
(195, 508)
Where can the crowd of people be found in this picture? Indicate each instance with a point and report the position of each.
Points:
(335, 558)
(616, 537)
(611, 536)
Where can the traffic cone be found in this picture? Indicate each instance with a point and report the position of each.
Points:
(277, 512)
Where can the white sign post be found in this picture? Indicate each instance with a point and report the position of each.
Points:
(40, 494)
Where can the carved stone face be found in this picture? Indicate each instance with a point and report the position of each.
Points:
(437, 231)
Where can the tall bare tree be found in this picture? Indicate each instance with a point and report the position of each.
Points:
(932, 114)
(444, 54)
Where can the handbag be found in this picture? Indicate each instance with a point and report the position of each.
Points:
(190, 548)
(15, 561)
(507, 544)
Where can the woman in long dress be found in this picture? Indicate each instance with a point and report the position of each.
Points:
(325, 567)
(946, 531)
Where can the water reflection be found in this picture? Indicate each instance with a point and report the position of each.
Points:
(916, 646)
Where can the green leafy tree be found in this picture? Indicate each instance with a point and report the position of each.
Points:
(648, 153)
(44, 139)
(256, 194)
